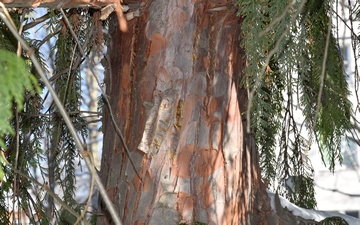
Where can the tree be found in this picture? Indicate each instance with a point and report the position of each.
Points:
(181, 85)
(180, 82)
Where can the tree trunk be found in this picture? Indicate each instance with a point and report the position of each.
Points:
(174, 85)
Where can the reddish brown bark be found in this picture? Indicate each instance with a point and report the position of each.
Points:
(174, 85)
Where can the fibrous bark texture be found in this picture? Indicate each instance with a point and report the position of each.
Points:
(174, 86)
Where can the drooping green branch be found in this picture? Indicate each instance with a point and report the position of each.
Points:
(294, 68)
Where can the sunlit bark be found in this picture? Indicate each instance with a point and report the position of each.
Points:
(174, 85)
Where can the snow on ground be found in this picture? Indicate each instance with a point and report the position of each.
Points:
(308, 214)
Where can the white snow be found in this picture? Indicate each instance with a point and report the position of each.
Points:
(316, 215)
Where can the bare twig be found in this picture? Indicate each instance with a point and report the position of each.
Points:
(90, 192)
(46, 188)
(19, 48)
(37, 21)
(16, 154)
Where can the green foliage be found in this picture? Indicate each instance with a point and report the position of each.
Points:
(93, 219)
(7, 41)
(46, 148)
(62, 147)
(66, 218)
(15, 80)
(284, 43)
(335, 220)
(67, 86)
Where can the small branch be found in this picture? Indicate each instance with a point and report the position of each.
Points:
(117, 129)
(47, 38)
(72, 32)
(90, 192)
(37, 21)
(17, 153)
(19, 48)
(322, 77)
(46, 188)
(267, 61)
(338, 191)
(344, 22)
(277, 20)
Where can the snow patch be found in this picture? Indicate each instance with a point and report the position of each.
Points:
(308, 214)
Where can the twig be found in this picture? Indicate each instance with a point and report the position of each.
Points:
(19, 49)
(354, 44)
(117, 129)
(66, 118)
(16, 154)
(46, 188)
(90, 192)
(72, 32)
(338, 191)
(321, 86)
(278, 19)
(37, 21)
(267, 61)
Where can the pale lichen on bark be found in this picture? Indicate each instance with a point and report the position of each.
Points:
(151, 112)
(160, 117)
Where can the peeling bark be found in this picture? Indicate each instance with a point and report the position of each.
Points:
(174, 85)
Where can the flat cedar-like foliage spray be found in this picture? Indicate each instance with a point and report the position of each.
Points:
(294, 66)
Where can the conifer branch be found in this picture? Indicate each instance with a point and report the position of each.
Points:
(354, 44)
(322, 77)
(267, 61)
(277, 20)
(63, 113)
(46, 188)
(117, 129)
(72, 32)
(295, 64)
